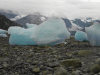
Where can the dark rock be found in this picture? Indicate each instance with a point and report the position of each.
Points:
(5, 23)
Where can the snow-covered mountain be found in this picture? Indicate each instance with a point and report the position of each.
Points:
(9, 14)
(37, 18)
(80, 24)
(5, 23)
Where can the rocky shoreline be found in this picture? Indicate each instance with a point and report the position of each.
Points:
(73, 58)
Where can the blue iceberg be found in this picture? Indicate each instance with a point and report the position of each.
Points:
(3, 31)
(31, 25)
(93, 33)
(51, 32)
(81, 36)
(3, 35)
(21, 36)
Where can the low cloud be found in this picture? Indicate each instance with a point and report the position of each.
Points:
(63, 8)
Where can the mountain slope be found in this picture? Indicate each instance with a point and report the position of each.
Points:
(9, 14)
(5, 23)
(34, 18)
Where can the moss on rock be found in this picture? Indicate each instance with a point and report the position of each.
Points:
(84, 53)
(72, 62)
(95, 68)
(61, 71)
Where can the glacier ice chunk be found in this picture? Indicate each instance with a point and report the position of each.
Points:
(31, 25)
(81, 36)
(51, 32)
(21, 36)
(15, 30)
(93, 33)
(3, 35)
(3, 31)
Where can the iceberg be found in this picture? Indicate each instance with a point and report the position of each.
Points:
(31, 25)
(81, 36)
(3, 31)
(3, 35)
(93, 33)
(15, 30)
(21, 36)
(51, 32)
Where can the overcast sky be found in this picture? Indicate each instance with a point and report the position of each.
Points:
(64, 8)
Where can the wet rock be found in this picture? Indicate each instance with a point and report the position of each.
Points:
(97, 61)
(72, 62)
(86, 70)
(87, 74)
(49, 74)
(36, 70)
(35, 62)
(1, 66)
(95, 68)
(74, 73)
(53, 64)
(70, 55)
(29, 61)
(45, 72)
(5, 64)
(61, 71)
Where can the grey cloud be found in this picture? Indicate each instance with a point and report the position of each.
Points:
(63, 8)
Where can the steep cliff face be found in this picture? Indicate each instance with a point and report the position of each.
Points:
(5, 23)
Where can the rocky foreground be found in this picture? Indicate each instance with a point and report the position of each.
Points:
(73, 58)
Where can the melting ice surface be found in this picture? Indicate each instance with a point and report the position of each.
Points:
(31, 25)
(81, 36)
(21, 36)
(51, 32)
(3, 35)
(3, 31)
(93, 33)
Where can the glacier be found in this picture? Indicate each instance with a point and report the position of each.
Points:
(51, 32)
(3, 31)
(81, 36)
(31, 25)
(21, 36)
(93, 33)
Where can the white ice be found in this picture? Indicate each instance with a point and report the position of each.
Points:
(3, 31)
(21, 36)
(51, 32)
(93, 33)
(3, 35)
(81, 36)
(31, 25)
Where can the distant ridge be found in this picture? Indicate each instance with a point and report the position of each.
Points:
(5, 23)
(35, 18)
(9, 14)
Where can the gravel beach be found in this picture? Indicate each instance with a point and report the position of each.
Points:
(72, 58)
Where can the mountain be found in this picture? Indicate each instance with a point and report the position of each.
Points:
(67, 22)
(79, 24)
(35, 18)
(5, 23)
(9, 14)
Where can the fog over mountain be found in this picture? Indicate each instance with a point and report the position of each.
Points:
(5, 23)
(37, 18)
(70, 9)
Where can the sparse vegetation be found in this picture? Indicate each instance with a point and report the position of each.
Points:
(75, 57)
